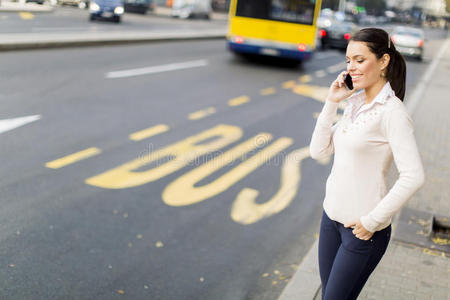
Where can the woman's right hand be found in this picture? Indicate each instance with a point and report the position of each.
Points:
(338, 90)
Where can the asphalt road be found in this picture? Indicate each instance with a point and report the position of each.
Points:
(210, 204)
(73, 19)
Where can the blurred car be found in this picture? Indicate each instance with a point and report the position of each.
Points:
(70, 2)
(108, 9)
(191, 8)
(139, 6)
(337, 34)
(325, 18)
(35, 1)
(408, 41)
(367, 20)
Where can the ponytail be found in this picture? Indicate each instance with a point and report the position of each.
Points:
(379, 43)
(396, 72)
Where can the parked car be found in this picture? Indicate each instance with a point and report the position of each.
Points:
(108, 9)
(408, 41)
(337, 34)
(139, 6)
(191, 8)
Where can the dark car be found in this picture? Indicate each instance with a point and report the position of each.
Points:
(108, 9)
(139, 6)
(337, 34)
(34, 1)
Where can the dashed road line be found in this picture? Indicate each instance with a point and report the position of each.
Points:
(26, 15)
(267, 91)
(289, 84)
(72, 158)
(201, 113)
(149, 132)
(305, 78)
(238, 101)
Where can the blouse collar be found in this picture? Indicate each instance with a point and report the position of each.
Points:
(381, 98)
(357, 100)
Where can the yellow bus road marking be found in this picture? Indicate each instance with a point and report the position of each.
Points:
(202, 113)
(149, 132)
(183, 153)
(318, 93)
(26, 15)
(72, 158)
(238, 101)
(268, 91)
(289, 84)
(246, 211)
(183, 191)
(305, 78)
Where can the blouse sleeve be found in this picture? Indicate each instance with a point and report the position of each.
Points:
(399, 132)
(321, 145)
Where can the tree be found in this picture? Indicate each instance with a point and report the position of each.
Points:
(373, 6)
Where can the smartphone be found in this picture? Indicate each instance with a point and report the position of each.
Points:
(348, 81)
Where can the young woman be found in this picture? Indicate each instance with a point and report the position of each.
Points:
(375, 129)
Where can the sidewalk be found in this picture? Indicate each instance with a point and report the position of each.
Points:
(21, 41)
(160, 11)
(416, 265)
(8, 6)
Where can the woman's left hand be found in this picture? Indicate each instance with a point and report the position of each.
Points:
(359, 231)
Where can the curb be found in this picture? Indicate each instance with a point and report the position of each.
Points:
(305, 284)
(30, 41)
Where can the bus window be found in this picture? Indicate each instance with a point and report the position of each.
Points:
(294, 11)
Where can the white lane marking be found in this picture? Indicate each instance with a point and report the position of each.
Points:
(157, 69)
(10, 124)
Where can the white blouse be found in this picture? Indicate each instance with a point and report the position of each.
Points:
(364, 142)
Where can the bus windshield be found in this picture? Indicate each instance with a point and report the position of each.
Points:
(294, 11)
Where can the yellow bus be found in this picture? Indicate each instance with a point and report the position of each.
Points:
(283, 28)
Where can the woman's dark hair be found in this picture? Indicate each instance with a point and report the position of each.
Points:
(379, 43)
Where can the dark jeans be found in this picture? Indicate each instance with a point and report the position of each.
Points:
(345, 261)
